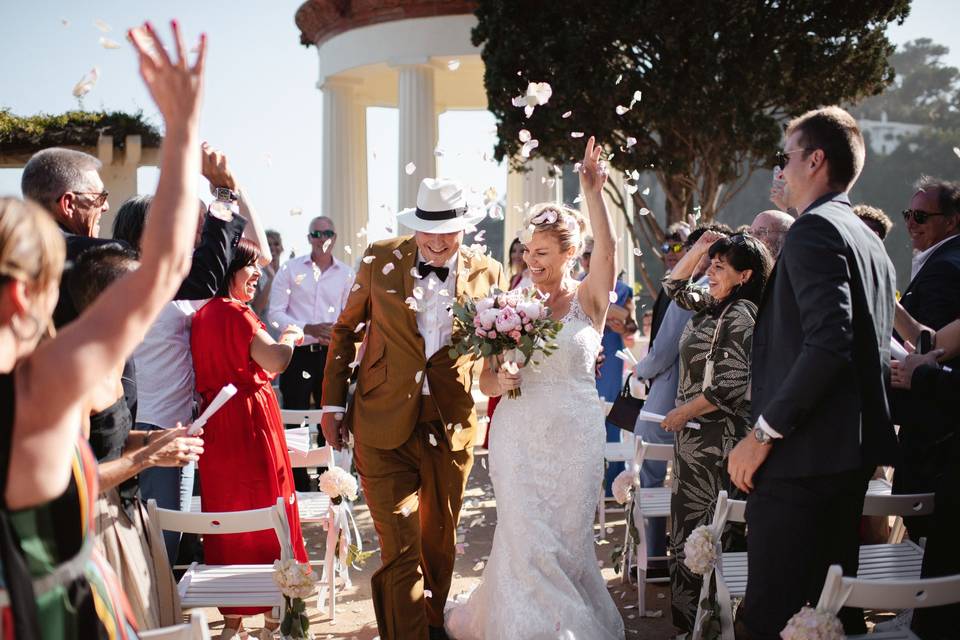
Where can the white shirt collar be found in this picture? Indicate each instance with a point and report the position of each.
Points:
(921, 258)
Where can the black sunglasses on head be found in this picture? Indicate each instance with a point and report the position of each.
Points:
(326, 233)
(918, 215)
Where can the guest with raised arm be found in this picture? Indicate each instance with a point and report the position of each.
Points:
(49, 475)
(714, 377)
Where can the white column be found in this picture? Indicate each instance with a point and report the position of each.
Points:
(525, 189)
(119, 175)
(418, 130)
(344, 174)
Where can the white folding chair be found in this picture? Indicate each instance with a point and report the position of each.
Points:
(653, 502)
(195, 629)
(239, 585)
(892, 595)
(899, 561)
(622, 451)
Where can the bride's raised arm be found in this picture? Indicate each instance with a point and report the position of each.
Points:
(600, 281)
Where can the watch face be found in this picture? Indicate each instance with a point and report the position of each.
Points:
(224, 194)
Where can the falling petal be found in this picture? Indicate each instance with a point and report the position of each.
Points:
(479, 236)
(418, 293)
(306, 376)
(397, 253)
(645, 192)
(107, 43)
(635, 175)
(541, 92)
(457, 428)
(418, 377)
(479, 566)
(101, 25)
(630, 142)
(956, 150)
(348, 250)
(637, 252)
(331, 309)
(359, 327)
(636, 97)
(387, 268)
(453, 65)
(622, 109)
(354, 288)
(433, 439)
(368, 259)
(427, 593)
(299, 278)
(631, 188)
(412, 303)
(524, 135)
(519, 101)
(619, 78)
(483, 462)
(415, 273)
(528, 110)
(86, 83)
(326, 244)
(275, 324)
(529, 146)
(405, 510)
(391, 290)
(613, 297)
(410, 168)
(443, 293)
(296, 211)
(362, 232)
(567, 114)
(64, 22)
(579, 198)
(644, 211)
(576, 134)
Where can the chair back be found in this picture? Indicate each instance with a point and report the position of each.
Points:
(302, 417)
(887, 594)
(269, 518)
(195, 629)
(652, 451)
(910, 504)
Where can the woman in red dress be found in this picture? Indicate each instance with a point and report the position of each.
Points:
(245, 464)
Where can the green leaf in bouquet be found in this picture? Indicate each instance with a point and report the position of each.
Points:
(286, 625)
(485, 349)
(454, 353)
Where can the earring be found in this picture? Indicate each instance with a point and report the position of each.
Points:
(19, 334)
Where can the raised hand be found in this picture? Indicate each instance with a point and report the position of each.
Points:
(175, 87)
(593, 172)
(215, 168)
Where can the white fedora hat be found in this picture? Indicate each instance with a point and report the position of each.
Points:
(442, 207)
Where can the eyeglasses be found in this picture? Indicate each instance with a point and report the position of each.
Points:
(98, 201)
(326, 233)
(783, 157)
(671, 247)
(918, 216)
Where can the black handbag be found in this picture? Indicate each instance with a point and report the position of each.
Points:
(625, 408)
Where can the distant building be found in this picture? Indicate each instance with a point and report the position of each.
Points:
(885, 136)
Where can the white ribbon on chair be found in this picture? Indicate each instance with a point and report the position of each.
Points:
(835, 592)
(720, 515)
(339, 518)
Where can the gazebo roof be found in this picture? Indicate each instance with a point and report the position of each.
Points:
(320, 20)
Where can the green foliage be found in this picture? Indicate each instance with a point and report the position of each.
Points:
(28, 134)
(717, 80)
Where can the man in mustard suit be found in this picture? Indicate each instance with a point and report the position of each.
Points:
(412, 415)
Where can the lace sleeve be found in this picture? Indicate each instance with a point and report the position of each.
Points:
(688, 294)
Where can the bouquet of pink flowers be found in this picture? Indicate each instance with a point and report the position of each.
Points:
(516, 322)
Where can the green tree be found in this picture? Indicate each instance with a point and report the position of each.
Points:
(717, 80)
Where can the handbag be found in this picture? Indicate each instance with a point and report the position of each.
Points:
(625, 408)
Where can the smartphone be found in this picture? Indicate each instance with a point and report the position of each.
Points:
(925, 343)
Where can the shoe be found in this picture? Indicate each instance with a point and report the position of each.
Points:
(438, 633)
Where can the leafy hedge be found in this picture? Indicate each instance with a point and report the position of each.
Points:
(27, 134)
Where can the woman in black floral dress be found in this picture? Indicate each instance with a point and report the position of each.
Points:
(717, 337)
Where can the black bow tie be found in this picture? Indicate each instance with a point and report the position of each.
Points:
(425, 268)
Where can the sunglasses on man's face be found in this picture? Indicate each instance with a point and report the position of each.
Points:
(98, 201)
(919, 216)
(671, 247)
(326, 233)
(783, 157)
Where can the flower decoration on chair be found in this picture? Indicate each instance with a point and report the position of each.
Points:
(813, 624)
(700, 550)
(509, 326)
(338, 484)
(624, 489)
(297, 582)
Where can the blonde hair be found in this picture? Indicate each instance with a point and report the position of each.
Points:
(568, 225)
(31, 246)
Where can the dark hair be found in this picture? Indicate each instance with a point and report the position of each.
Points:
(717, 227)
(742, 251)
(130, 220)
(97, 268)
(874, 218)
(948, 193)
(245, 254)
(836, 133)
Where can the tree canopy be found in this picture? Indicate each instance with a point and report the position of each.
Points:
(717, 81)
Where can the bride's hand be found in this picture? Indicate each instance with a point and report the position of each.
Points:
(508, 377)
(593, 172)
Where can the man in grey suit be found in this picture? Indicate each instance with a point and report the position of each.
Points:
(820, 369)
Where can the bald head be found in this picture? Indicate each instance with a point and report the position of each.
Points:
(770, 227)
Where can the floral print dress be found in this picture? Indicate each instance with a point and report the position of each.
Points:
(700, 455)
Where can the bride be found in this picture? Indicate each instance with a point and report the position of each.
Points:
(546, 453)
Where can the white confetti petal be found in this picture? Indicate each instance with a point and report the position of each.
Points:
(433, 440)
(397, 253)
(635, 175)
(354, 288)
(645, 192)
(348, 250)
(102, 26)
(427, 593)
(622, 109)
(479, 237)
(410, 168)
(299, 278)
(306, 376)
(387, 268)
(107, 43)
(391, 290)
(405, 510)
(326, 244)
(644, 211)
(637, 252)
(529, 146)
(275, 324)
(636, 97)
(418, 377)
(412, 303)
(524, 135)
(528, 110)
(630, 142)
(567, 114)
(576, 134)
(619, 78)
(479, 566)
(631, 188)
(613, 297)
(453, 65)
(457, 428)
(359, 327)
(296, 211)
(64, 22)
(415, 273)
(956, 150)
(579, 198)
(418, 293)
(86, 83)
(368, 259)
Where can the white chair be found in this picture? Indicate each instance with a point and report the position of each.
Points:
(900, 561)
(240, 585)
(195, 629)
(839, 591)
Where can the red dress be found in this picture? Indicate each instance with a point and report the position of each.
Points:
(245, 464)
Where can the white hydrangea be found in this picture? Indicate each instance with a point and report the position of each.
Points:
(295, 579)
(338, 483)
(700, 550)
(812, 624)
(622, 486)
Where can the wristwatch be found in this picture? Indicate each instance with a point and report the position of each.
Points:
(762, 436)
(225, 194)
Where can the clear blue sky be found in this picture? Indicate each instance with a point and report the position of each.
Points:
(261, 104)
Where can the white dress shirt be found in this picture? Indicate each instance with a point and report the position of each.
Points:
(303, 294)
(433, 310)
(920, 258)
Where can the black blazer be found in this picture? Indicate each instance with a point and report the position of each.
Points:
(821, 350)
(933, 296)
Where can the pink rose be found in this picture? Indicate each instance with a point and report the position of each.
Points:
(481, 333)
(487, 318)
(528, 328)
(491, 334)
(515, 335)
(508, 320)
(532, 309)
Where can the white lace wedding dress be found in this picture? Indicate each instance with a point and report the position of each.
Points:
(546, 462)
